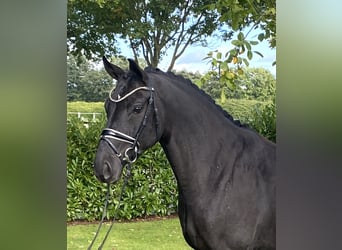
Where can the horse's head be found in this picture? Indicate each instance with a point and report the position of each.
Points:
(132, 124)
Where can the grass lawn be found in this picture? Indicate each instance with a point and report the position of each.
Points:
(164, 234)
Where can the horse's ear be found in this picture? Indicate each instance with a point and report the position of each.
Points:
(137, 70)
(113, 70)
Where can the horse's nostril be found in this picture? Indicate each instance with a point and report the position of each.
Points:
(107, 171)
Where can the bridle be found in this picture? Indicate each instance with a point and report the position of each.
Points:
(109, 134)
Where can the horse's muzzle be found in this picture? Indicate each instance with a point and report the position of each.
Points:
(107, 169)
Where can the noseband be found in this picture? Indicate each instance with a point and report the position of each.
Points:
(109, 134)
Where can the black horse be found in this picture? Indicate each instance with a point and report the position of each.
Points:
(225, 171)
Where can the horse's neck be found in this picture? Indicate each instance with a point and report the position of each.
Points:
(193, 139)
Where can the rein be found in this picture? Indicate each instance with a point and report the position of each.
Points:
(127, 176)
(107, 134)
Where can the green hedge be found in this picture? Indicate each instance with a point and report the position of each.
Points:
(261, 116)
(263, 119)
(152, 189)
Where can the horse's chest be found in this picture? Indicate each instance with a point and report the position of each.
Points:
(197, 226)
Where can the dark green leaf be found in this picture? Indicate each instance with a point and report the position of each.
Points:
(249, 55)
(246, 62)
(241, 36)
(236, 42)
(257, 52)
(261, 37)
(248, 46)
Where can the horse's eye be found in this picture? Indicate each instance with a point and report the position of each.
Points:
(137, 109)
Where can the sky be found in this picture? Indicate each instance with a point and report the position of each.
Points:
(192, 58)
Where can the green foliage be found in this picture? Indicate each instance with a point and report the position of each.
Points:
(240, 109)
(194, 77)
(85, 83)
(88, 83)
(259, 115)
(264, 120)
(150, 28)
(242, 15)
(90, 34)
(85, 195)
(152, 189)
(253, 84)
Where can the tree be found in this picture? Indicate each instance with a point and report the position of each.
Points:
(85, 83)
(95, 86)
(88, 32)
(151, 28)
(194, 77)
(241, 15)
(75, 71)
(254, 84)
(251, 14)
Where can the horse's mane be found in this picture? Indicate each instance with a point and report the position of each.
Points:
(171, 75)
